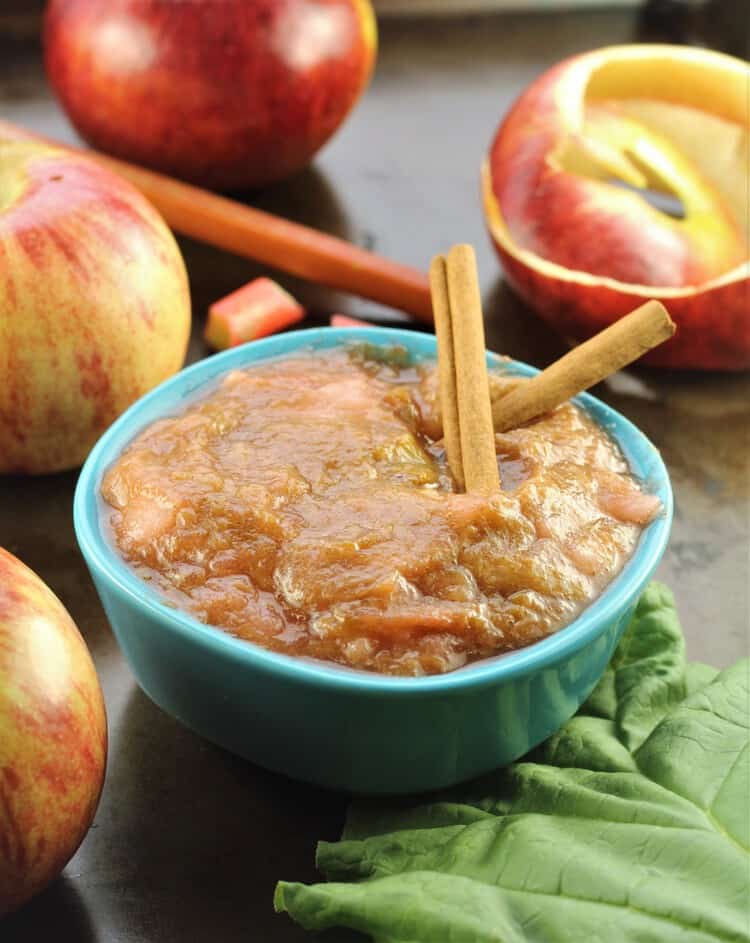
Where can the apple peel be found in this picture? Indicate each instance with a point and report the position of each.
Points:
(564, 186)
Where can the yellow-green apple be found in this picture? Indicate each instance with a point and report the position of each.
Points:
(94, 303)
(564, 192)
(53, 735)
(224, 93)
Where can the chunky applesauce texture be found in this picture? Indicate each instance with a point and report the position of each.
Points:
(306, 505)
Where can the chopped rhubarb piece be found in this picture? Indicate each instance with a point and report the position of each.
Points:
(257, 309)
(343, 320)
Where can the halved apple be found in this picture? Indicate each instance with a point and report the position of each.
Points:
(623, 174)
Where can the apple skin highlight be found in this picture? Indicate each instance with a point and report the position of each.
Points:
(583, 251)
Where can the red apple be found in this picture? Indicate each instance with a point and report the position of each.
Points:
(564, 199)
(53, 735)
(224, 93)
(94, 303)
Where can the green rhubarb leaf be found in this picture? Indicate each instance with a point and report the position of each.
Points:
(629, 824)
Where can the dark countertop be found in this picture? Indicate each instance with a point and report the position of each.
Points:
(188, 840)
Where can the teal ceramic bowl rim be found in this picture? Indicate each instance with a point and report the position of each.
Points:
(102, 559)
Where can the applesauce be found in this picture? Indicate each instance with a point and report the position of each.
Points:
(306, 505)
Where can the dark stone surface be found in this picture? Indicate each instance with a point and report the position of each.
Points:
(188, 840)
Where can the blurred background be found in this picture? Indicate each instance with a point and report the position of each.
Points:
(721, 24)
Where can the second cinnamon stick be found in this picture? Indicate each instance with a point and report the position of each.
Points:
(607, 352)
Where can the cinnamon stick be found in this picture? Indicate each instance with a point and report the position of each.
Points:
(446, 369)
(473, 386)
(597, 358)
(272, 240)
(462, 367)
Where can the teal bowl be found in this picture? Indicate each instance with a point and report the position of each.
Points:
(326, 725)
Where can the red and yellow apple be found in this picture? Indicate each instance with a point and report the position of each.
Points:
(224, 93)
(564, 188)
(94, 303)
(53, 735)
